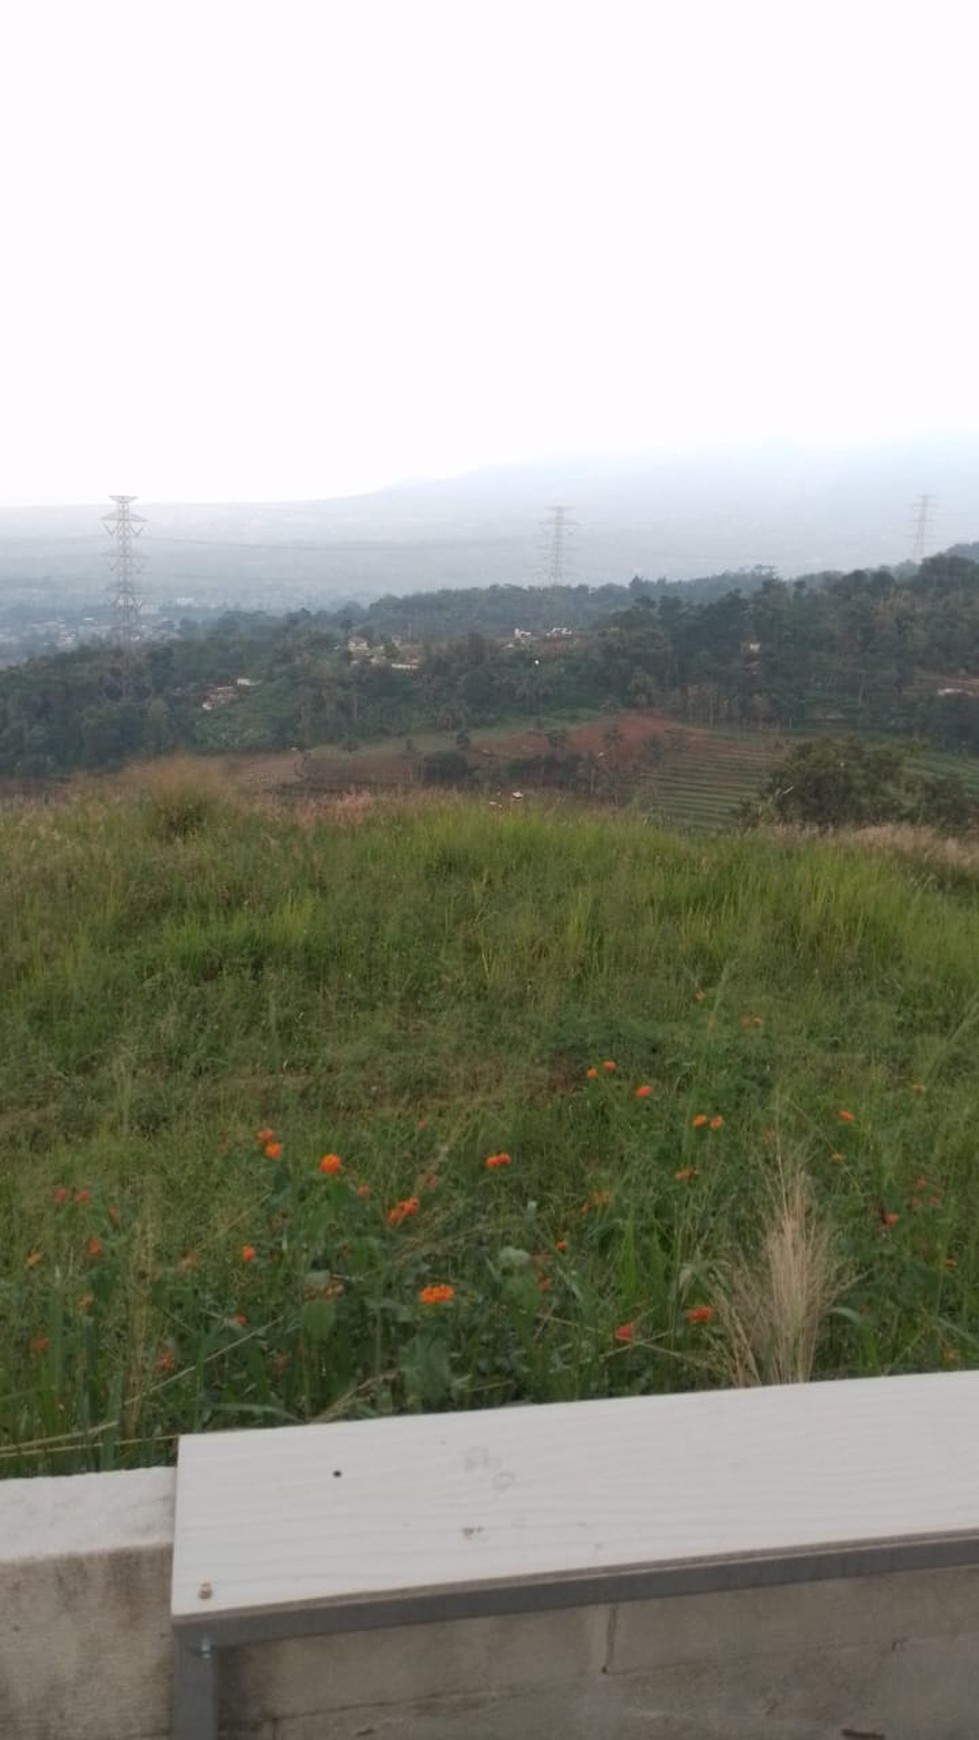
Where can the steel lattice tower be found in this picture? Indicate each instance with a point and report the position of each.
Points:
(925, 505)
(559, 530)
(124, 528)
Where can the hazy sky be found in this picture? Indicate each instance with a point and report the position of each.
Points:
(293, 248)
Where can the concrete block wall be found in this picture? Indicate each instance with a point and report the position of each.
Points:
(85, 1651)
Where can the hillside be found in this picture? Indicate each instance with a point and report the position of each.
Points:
(380, 1105)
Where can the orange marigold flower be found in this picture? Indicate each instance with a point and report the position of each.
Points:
(847, 1117)
(643, 1093)
(239, 1318)
(265, 1134)
(165, 1360)
(61, 1194)
(33, 1258)
(545, 1283)
(699, 996)
(609, 1065)
(402, 1210)
(685, 1174)
(330, 1163)
(40, 1344)
(83, 1196)
(94, 1247)
(592, 1074)
(494, 1160)
(363, 1190)
(437, 1295)
(562, 1245)
(625, 1332)
(699, 1314)
(890, 1219)
(422, 1124)
(273, 1150)
(248, 1253)
(699, 1121)
(717, 1122)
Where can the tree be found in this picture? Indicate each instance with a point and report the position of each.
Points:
(836, 783)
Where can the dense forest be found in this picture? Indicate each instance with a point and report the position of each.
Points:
(885, 651)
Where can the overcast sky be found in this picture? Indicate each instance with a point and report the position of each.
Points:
(295, 248)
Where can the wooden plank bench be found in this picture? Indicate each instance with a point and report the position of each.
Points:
(351, 1526)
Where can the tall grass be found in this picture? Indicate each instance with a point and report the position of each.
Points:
(416, 987)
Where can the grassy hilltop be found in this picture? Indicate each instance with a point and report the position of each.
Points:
(399, 1104)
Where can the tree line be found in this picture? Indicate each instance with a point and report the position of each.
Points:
(881, 652)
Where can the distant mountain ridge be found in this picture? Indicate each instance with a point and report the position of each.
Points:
(795, 508)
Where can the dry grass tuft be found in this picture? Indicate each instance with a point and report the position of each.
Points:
(772, 1304)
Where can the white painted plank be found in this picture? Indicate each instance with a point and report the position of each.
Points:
(323, 1514)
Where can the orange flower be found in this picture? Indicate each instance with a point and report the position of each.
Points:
(545, 1283)
(625, 1332)
(114, 1216)
(609, 1065)
(402, 1210)
(33, 1258)
(85, 1301)
(422, 1124)
(363, 1190)
(265, 1134)
(273, 1150)
(847, 1117)
(94, 1247)
(330, 1163)
(61, 1194)
(643, 1093)
(699, 1314)
(165, 1361)
(437, 1295)
(699, 1121)
(951, 1262)
(239, 1318)
(890, 1219)
(592, 1074)
(498, 1160)
(699, 996)
(40, 1344)
(83, 1196)
(716, 1122)
(248, 1253)
(562, 1245)
(921, 1184)
(685, 1174)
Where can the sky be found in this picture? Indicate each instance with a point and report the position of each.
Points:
(291, 249)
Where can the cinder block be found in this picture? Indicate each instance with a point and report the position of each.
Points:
(415, 1662)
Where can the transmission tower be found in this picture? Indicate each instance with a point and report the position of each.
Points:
(923, 512)
(124, 528)
(559, 528)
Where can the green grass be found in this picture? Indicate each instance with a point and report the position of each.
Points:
(416, 989)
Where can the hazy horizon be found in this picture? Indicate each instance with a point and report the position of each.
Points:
(302, 253)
